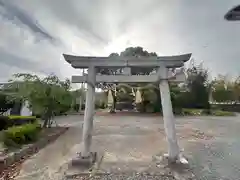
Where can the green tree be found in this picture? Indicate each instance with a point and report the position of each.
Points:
(129, 52)
(47, 96)
(197, 85)
(222, 89)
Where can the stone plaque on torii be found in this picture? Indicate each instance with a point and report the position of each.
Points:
(162, 75)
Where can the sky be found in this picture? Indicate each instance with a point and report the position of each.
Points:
(35, 33)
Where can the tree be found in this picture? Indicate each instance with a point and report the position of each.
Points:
(197, 86)
(48, 96)
(131, 51)
(236, 89)
(222, 89)
(138, 52)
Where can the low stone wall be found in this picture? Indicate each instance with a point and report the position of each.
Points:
(11, 158)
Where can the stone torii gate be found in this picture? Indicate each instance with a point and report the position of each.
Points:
(163, 75)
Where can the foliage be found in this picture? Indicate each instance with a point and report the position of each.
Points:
(138, 52)
(192, 112)
(220, 90)
(196, 94)
(4, 122)
(123, 93)
(225, 90)
(205, 112)
(222, 113)
(5, 104)
(47, 96)
(100, 104)
(18, 135)
(9, 121)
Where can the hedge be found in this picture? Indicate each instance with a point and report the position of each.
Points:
(223, 113)
(9, 121)
(205, 112)
(19, 135)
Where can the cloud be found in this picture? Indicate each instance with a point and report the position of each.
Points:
(34, 34)
(16, 15)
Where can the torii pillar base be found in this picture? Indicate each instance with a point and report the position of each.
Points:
(84, 162)
(83, 165)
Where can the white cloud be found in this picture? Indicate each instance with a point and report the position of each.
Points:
(101, 27)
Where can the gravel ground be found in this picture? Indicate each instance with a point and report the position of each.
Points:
(217, 158)
(211, 143)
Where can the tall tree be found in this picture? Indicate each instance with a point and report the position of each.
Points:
(198, 88)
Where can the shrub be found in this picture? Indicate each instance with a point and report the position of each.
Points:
(140, 107)
(18, 135)
(150, 108)
(192, 112)
(100, 105)
(177, 111)
(20, 120)
(203, 112)
(222, 113)
(4, 122)
(9, 121)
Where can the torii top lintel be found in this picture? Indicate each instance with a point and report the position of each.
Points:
(167, 61)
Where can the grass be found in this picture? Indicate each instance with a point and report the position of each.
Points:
(223, 113)
(204, 112)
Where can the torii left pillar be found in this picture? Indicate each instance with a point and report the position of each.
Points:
(86, 157)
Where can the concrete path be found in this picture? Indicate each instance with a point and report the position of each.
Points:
(46, 164)
(129, 143)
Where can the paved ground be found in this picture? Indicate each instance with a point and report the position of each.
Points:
(129, 142)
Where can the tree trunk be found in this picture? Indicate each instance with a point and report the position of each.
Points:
(46, 118)
(45, 123)
(113, 107)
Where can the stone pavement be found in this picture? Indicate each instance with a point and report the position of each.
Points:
(46, 163)
(128, 143)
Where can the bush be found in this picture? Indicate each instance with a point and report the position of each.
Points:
(18, 135)
(140, 107)
(9, 121)
(124, 105)
(21, 120)
(177, 111)
(222, 113)
(150, 108)
(4, 122)
(192, 112)
(204, 112)
(100, 105)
